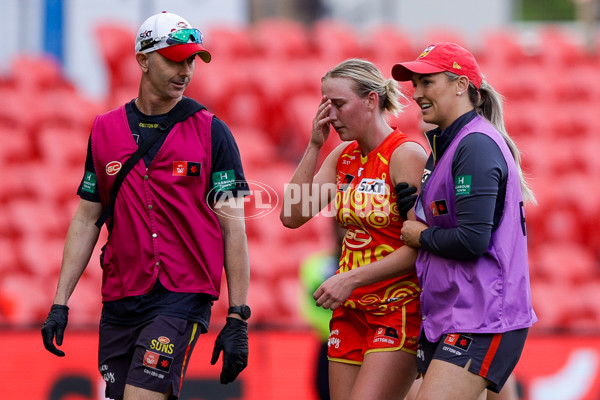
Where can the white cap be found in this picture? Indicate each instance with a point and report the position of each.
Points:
(154, 35)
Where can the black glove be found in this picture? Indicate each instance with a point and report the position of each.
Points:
(233, 341)
(406, 198)
(55, 325)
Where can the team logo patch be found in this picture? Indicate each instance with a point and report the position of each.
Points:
(439, 207)
(357, 238)
(387, 335)
(426, 51)
(371, 186)
(462, 185)
(113, 167)
(460, 341)
(162, 344)
(186, 168)
(344, 184)
(156, 361)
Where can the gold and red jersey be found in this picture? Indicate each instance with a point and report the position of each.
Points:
(366, 206)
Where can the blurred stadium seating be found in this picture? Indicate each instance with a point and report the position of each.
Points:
(264, 82)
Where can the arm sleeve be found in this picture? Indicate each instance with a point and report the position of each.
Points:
(88, 188)
(225, 158)
(480, 157)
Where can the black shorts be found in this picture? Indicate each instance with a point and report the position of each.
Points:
(493, 356)
(153, 355)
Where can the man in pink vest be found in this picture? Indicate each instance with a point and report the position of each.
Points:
(170, 233)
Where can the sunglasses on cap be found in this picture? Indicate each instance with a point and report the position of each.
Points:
(180, 36)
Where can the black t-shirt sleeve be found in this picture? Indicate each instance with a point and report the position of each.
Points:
(88, 188)
(227, 174)
(478, 209)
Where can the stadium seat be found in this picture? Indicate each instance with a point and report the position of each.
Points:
(16, 145)
(24, 299)
(256, 149)
(546, 305)
(115, 43)
(63, 146)
(31, 218)
(42, 255)
(287, 294)
(387, 45)
(85, 305)
(524, 84)
(441, 34)
(564, 261)
(261, 297)
(335, 41)
(34, 72)
(562, 48)
(70, 109)
(216, 83)
(9, 262)
(228, 43)
(280, 39)
(501, 47)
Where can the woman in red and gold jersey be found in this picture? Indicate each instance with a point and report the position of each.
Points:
(376, 318)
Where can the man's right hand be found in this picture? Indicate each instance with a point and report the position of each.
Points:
(406, 198)
(55, 325)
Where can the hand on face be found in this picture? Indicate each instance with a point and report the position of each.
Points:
(321, 123)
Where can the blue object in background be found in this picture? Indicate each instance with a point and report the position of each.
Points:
(54, 29)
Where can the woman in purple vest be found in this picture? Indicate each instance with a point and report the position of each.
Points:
(470, 230)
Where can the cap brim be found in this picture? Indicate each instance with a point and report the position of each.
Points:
(180, 52)
(404, 71)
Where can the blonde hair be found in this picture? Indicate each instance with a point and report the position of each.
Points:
(488, 103)
(368, 78)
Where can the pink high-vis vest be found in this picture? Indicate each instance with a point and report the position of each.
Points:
(162, 224)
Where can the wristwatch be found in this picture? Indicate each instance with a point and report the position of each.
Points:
(243, 311)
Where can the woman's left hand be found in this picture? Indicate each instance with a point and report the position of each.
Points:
(411, 231)
(334, 291)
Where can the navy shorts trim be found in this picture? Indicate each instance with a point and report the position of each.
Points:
(493, 356)
(153, 356)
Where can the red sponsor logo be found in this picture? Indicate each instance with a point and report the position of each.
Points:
(151, 359)
(180, 168)
(461, 341)
(451, 339)
(113, 167)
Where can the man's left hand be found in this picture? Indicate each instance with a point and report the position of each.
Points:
(233, 341)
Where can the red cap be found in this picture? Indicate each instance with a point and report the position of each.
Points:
(181, 52)
(441, 57)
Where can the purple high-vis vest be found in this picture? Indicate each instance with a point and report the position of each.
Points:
(492, 293)
(162, 224)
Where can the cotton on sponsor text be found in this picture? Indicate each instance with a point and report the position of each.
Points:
(451, 350)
